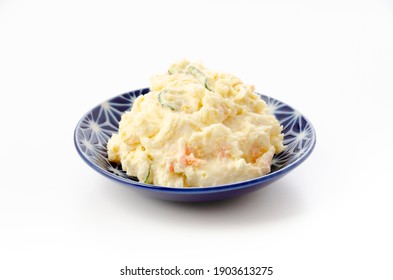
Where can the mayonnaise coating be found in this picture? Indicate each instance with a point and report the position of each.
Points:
(196, 128)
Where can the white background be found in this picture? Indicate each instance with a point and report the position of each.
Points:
(331, 218)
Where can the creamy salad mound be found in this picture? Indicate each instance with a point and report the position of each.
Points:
(196, 127)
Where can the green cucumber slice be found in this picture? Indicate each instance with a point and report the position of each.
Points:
(163, 102)
(200, 76)
(147, 178)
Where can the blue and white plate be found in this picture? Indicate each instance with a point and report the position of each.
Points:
(97, 125)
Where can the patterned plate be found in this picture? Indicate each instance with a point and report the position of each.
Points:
(96, 127)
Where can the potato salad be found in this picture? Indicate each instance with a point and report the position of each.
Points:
(196, 128)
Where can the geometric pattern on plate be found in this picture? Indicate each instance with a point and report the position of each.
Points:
(97, 126)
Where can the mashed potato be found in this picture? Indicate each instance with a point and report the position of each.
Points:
(195, 128)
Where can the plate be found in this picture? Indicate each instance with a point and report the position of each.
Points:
(97, 125)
